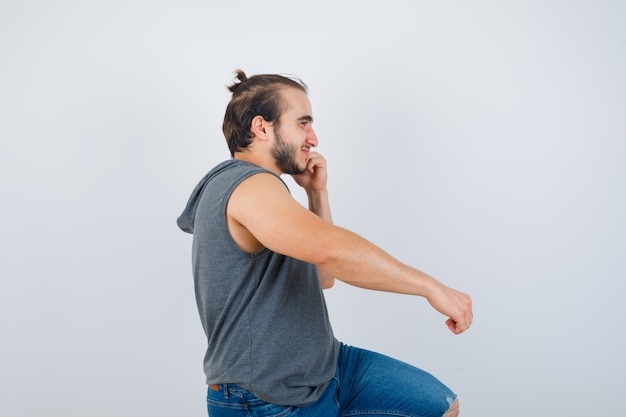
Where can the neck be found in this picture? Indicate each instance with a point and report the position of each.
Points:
(264, 162)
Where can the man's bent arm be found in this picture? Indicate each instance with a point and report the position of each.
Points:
(314, 180)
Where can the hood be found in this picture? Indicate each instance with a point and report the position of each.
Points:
(188, 217)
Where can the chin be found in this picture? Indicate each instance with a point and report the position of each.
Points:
(297, 170)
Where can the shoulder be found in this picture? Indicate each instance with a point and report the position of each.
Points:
(259, 199)
(242, 171)
(258, 190)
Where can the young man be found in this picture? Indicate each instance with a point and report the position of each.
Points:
(261, 260)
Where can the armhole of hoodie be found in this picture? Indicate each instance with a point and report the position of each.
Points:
(224, 203)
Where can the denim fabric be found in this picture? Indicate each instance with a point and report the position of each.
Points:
(365, 384)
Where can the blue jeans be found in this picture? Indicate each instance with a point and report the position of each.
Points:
(365, 384)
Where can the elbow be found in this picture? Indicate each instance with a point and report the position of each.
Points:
(328, 253)
(323, 260)
(328, 283)
(322, 256)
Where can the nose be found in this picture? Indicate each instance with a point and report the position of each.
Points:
(311, 137)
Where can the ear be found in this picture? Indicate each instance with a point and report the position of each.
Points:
(260, 128)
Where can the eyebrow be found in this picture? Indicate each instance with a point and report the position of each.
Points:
(306, 118)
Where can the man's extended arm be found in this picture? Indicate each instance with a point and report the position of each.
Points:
(264, 207)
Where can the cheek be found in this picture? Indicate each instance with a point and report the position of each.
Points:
(297, 136)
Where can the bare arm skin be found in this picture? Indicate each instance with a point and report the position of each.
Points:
(263, 207)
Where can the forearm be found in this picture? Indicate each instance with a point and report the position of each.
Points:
(363, 264)
(320, 205)
(358, 262)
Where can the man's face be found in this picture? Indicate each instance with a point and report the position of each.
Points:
(295, 137)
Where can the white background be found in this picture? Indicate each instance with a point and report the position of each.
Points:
(480, 141)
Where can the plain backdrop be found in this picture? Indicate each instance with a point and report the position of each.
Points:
(483, 142)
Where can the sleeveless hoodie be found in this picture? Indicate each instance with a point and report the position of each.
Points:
(264, 314)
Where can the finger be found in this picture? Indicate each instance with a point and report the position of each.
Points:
(456, 327)
(315, 163)
(317, 159)
(452, 326)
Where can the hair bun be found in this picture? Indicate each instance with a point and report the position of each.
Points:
(241, 77)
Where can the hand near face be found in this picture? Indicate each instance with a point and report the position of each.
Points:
(315, 176)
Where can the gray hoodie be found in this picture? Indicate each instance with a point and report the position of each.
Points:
(264, 313)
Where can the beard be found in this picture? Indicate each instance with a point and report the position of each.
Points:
(285, 156)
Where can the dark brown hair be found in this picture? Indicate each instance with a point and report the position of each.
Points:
(258, 95)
